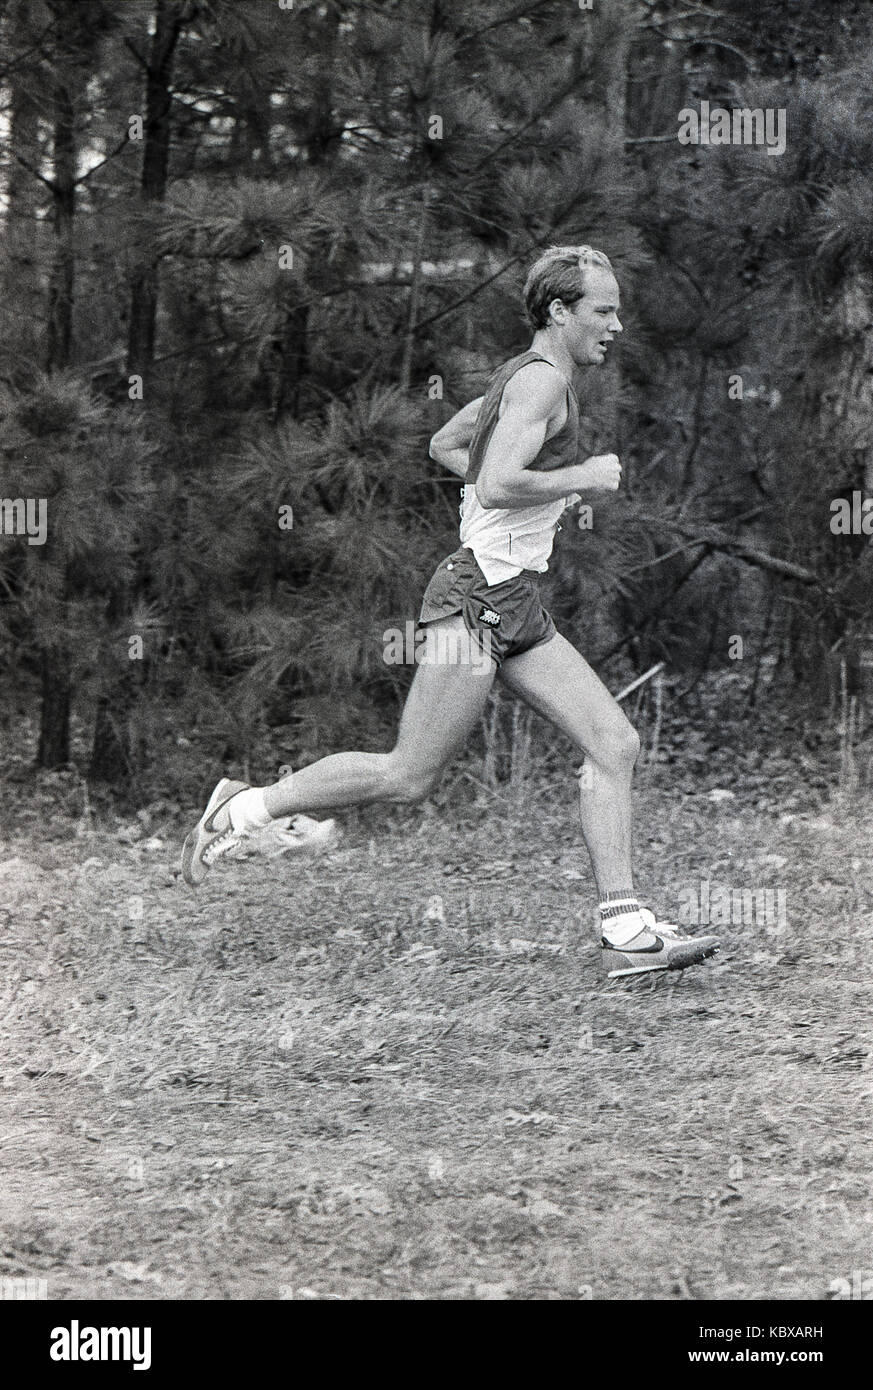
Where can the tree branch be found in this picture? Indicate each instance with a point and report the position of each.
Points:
(521, 12)
(649, 139)
(514, 135)
(653, 613)
(136, 53)
(49, 183)
(125, 140)
(753, 556)
(521, 256)
(717, 540)
(36, 47)
(659, 559)
(716, 43)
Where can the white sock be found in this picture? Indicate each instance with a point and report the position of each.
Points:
(247, 811)
(620, 920)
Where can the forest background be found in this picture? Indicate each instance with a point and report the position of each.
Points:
(254, 254)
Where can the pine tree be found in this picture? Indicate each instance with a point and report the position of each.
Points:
(53, 42)
(316, 252)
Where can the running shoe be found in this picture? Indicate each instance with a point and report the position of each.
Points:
(659, 946)
(208, 842)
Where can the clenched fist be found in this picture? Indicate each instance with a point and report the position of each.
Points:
(602, 471)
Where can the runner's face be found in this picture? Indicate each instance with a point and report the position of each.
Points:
(591, 323)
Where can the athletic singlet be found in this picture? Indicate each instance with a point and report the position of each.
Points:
(507, 540)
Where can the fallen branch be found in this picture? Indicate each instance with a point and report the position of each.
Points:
(770, 562)
(640, 680)
(751, 554)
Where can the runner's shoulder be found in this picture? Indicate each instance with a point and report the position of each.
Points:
(537, 388)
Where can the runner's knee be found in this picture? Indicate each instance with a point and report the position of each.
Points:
(411, 785)
(618, 747)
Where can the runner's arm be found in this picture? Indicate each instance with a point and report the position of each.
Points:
(530, 403)
(450, 445)
(528, 408)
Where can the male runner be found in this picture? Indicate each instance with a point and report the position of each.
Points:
(516, 446)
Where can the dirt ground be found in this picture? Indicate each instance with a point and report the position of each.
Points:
(316, 1081)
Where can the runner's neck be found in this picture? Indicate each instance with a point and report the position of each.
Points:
(558, 369)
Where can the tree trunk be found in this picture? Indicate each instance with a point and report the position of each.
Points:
(54, 731)
(285, 361)
(698, 424)
(59, 330)
(153, 183)
(111, 751)
(414, 292)
(54, 734)
(617, 23)
(22, 307)
(286, 356)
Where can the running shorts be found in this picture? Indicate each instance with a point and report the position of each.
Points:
(505, 619)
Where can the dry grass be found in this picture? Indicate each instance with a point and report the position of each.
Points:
(294, 1084)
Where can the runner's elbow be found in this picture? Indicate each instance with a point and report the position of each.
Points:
(489, 497)
(438, 447)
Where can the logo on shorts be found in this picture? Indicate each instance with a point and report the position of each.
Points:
(490, 617)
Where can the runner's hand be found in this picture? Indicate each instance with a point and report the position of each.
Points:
(603, 472)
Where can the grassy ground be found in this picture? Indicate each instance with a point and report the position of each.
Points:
(315, 1081)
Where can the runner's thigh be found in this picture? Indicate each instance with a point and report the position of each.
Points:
(556, 681)
(446, 697)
